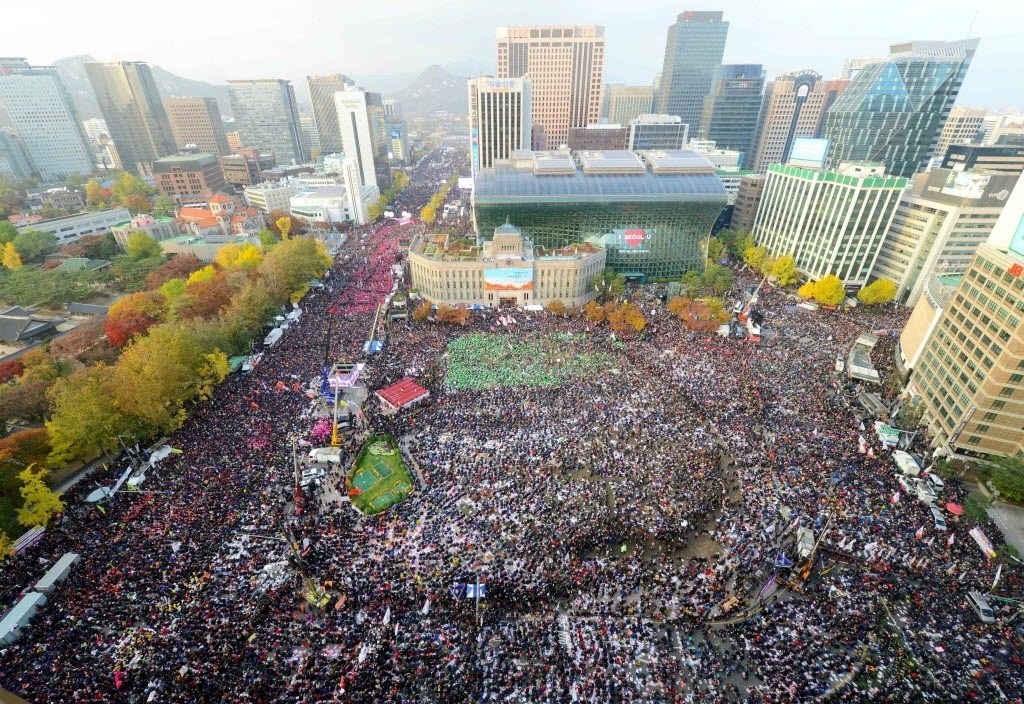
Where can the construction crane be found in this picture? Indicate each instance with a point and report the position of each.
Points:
(753, 299)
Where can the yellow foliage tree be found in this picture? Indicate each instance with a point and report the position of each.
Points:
(784, 270)
(12, 260)
(204, 274)
(232, 257)
(806, 291)
(829, 290)
(755, 256)
(880, 291)
(555, 306)
(6, 546)
(422, 312)
(285, 226)
(594, 312)
(40, 502)
(428, 214)
(677, 304)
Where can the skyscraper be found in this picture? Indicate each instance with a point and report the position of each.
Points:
(197, 121)
(392, 108)
(499, 119)
(623, 104)
(794, 105)
(894, 109)
(357, 132)
(566, 65)
(695, 46)
(962, 127)
(41, 110)
(267, 118)
(732, 108)
(310, 138)
(133, 110)
(325, 112)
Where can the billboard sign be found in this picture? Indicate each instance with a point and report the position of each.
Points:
(634, 238)
(1017, 243)
(511, 279)
(808, 152)
(966, 184)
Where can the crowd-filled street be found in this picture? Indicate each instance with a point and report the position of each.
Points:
(610, 509)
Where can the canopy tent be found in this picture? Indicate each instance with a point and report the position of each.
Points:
(402, 394)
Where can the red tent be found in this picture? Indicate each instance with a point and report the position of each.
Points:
(404, 393)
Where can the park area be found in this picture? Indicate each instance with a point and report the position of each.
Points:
(484, 361)
(379, 478)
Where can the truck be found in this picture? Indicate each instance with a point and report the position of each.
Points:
(804, 542)
(325, 455)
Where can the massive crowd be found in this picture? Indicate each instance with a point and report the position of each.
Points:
(609, 517)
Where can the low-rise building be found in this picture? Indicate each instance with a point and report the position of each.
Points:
(159, 228)
(269, 195)
(205, 248)
(186, 176)
(20, 327)
(244, 168)
(71, 227)
(327, 205)
(999, 158)
(508, 270)
(224, 218)
(667, 132)
(598, 137)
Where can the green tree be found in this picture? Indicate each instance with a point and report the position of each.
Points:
(12, 260)
(6, 546)
(7, 232)
(716, 250)
(293, 263)
(127, 185)
(741, 243)
(85, 417)
(879, 291)
(1008, 478)
(75, 181)
(266, 238)
(164, 207)
(784, 270)
(910, 414)
(374, 211)
(829, 290)
(692, 281)
(608, 284)
(33, 246)
(141, 246)
(40, 504)
(718, 279)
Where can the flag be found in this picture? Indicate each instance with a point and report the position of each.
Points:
(624, 548)
(930, 541)
(999, 573)
(863, 445)
(783, 561)
(871, 452)
(476, 591)
(949, 540)
(920, 533)
(457, 590)
(363, 653)
(387, 616)
(768, 589)
(895, 498)
(426, 607)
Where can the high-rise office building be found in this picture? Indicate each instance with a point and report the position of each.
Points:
(794, 106)
(41, 111)
(962, 127)
(1001, 159)
(893, 110)
(14, 159)
(357, 133)
(310, 138)
(1007, 130)
(970, 371)
(325, 112)
(748, 199)
(500, 120)
(695, 46)
(267, 118)
(732, 107)
(625, 103)
(832, 222)
(657, 132)
(134, 112)
(939, 223)
(95, 128)
(392, 108)
(398, 140)
(566, 66)
(196, 121)
(598, 138)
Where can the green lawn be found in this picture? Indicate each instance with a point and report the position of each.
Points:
(380, 475)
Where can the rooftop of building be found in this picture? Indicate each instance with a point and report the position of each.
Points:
(156, 218)
(330, 192)
(600, 176)
(872, 174)
(196, 239)
(192, 158)
(447, 248)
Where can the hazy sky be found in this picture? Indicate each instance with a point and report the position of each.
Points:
(277, 38)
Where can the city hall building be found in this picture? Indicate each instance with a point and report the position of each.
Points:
(506, 271)
(651, 212)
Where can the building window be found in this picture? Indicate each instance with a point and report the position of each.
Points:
(973, 440)
(1007, 392)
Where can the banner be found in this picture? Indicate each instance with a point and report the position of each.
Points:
(982, 541)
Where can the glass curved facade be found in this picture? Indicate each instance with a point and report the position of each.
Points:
(654, 224)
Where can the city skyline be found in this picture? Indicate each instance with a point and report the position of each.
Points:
(374, 44)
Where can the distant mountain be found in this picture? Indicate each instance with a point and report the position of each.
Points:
(72, 73)
(435, 89)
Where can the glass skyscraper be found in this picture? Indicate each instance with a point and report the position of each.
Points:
(695, 46)
(731, 109)
(268, 118)
(894, 110)
(652, 217)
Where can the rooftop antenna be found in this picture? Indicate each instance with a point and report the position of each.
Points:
(971, 27)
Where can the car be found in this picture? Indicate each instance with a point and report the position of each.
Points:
(936, 481)
(904, 484)
(924, 493)
(938, 518)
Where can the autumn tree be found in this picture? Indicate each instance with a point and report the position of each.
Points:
(608, 284)
(134, 315)
(180, 266)
(829, 290)
(284, 226)
(755, 256)
(452, 316)
(555, 306)
(204, 298)
(137, 204)
(716, 250)
(6, 546)
(293, 263)
(85, 417)
(879, 291)
(717, 278)
(806, 291)
(25, 401)
(428, 214)
(232, 257)
(692, 281)
(11, 369)
(784, 270)
(141, 246)
(677, 304)
(90, 247)
(40, 504)
(594, 312)
(274, 217)
(422, 311)
(12, 260)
